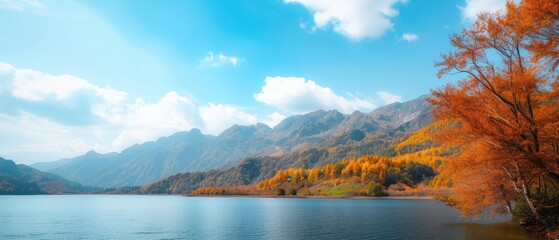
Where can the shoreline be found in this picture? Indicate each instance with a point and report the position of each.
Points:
(321, 197)
(243, 196)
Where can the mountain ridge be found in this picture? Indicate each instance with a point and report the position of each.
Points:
(192, 151)
(22, 179)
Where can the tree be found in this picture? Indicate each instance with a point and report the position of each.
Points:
(293, 191)
(507, 109)
(391, 176)
(543, 17)
(280, 192)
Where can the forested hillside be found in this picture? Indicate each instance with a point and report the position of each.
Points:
(409, 151)
(21, 179)
(340, 135)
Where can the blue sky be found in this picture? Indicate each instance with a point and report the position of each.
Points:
(103, 75)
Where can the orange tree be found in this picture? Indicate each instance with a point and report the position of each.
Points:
(508, 112)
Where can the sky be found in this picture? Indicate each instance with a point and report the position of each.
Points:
(89, 75)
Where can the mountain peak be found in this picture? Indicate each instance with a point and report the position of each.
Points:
(190, 151)
(262, 126)
(195, 131)
(397, 114)
(91, 153)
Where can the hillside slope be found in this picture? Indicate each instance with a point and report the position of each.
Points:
(398, 149)
(193, 151)
(22, 179)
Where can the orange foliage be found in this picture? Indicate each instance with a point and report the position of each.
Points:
(542, 18)
(366, 169)
(507, 107)
(233, 190)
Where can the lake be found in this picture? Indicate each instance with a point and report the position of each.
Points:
(176, 217)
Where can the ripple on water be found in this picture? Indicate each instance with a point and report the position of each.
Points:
(172, 217)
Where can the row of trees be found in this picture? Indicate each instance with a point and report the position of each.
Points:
(232, 190)
(369, 171)
(507, 107)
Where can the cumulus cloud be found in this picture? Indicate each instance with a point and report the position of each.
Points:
(35, 86)
(388, 98)
(141, 121)
(29, 133)
(472, 8)
(28, 137)
(210, 60)
(355, 19)
(218, 117)
(297, 95)
(124, 121)
(410, 37)
(273, 119)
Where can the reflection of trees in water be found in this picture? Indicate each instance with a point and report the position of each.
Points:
(493, 231)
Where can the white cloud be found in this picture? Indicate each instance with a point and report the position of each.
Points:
(474, 7)
(35, 86)
(218, 117)
(273, 119)
(21, 5)
(140, 121)
(31, 138)
(6, 68)
(410, 37)
(29, 135)
(355, 19)
(129, 121)
(388, 98)
(297, 95)
(210, 60)
(6, 73)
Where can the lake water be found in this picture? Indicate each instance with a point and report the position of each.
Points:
(175, 217)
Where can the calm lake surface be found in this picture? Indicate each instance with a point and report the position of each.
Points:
(175, 217)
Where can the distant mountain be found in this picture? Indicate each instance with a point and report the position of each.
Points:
(411, 115)
(21, 179)
(193, 151)
(46, 166)
(402, 147)
(138, 164)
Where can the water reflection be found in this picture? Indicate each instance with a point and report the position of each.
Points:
(173, 217)
(503, 230)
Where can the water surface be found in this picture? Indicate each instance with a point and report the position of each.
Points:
(175, 217)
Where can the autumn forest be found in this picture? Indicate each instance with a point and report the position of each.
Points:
(495, 140)
(484, 140)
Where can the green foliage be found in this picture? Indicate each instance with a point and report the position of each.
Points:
(293, 191)
(344, 189)
(10, 185)
(280, 192)
(375, 190)
(357, 135)
(547, 206)
(391, 176)
(415, 173)
(257, 170)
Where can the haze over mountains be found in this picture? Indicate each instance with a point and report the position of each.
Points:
(22, 179)
(193, 151)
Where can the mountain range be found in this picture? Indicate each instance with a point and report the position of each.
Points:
(193, 151)
(22, 179)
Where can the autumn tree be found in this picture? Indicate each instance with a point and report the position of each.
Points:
(543, 17)
(507, 110)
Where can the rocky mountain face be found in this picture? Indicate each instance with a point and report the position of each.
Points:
(22, 179)
(140, 163)
(410, 115)
(193, 151)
